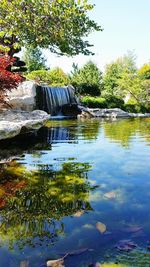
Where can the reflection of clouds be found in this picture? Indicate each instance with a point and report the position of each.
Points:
(88, 226)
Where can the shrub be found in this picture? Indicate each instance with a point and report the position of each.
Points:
(8, 79)
(134, 107)
(100, 102)
(114, 102)
(53, 77)
(38, 75)
(94, 102)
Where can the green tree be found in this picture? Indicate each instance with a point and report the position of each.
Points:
(115, 74)
(34, 59)
(59, 25)
(88, 79)
(53, 77)
(144, 71)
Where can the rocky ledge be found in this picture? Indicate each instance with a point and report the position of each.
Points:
(109, 113)
(14, 122)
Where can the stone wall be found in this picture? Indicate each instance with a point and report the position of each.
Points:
(24, 97)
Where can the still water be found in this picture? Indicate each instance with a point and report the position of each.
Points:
(80, 187)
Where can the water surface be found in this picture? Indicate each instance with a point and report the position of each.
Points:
(68, 183)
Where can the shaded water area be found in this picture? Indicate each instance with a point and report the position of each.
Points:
(80, 187)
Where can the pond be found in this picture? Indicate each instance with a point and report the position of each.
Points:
(79, 189)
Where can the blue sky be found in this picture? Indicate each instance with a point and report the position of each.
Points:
(126, 25)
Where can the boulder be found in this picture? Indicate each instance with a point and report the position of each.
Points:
(14, 122)
(71, 110)
(23, 97)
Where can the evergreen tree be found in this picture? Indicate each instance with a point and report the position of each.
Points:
(34, 59)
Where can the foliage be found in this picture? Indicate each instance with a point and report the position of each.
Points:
(116, 72)
(122, 79)
(59, 25)
(144, 71)
(53, 77)
(94, 102)
(88, 79)
(100, 102)
(8, 80)
(33, 59)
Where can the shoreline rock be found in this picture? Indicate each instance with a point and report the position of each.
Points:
(109, 113)
(15, 122)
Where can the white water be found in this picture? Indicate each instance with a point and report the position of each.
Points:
(55, 97)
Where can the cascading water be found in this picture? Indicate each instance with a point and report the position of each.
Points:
(52, 99)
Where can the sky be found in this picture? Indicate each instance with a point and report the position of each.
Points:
(126, 26)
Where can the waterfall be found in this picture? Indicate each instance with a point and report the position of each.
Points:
(52, 99)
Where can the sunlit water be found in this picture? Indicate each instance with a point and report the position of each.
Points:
(78, 187)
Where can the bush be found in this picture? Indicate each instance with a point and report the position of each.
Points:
(100, 102)
(134, 107)
(114, 102)
(94, 102)
(38, 75)
(53, 77)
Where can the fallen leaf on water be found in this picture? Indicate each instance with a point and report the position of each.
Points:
(101, 227)
(24, 264)
(78, 213)
(55, 263)
(110, 195)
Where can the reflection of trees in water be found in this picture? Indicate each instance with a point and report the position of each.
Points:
(34, 211)
(73, 129)
(123, 130)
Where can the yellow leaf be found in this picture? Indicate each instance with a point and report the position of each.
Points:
(101, 227)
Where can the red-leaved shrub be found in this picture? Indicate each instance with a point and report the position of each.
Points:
(8, 79)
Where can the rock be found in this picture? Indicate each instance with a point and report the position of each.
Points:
(112, 113)
(71, 110)
(13, 122)
(23, 97)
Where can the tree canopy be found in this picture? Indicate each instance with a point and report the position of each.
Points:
(59, 25)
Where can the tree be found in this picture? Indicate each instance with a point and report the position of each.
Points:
(8, 80)
(144, 74)
(34, 59)
(122, 68)
(88, 79)
(53, 77)
(144, 71)
(59, 25)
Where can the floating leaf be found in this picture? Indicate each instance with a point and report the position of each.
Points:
(55, 263)
(101, 227)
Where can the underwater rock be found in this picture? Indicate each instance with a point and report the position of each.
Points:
(14, 122)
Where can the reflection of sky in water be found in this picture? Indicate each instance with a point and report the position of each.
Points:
(118, 166)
